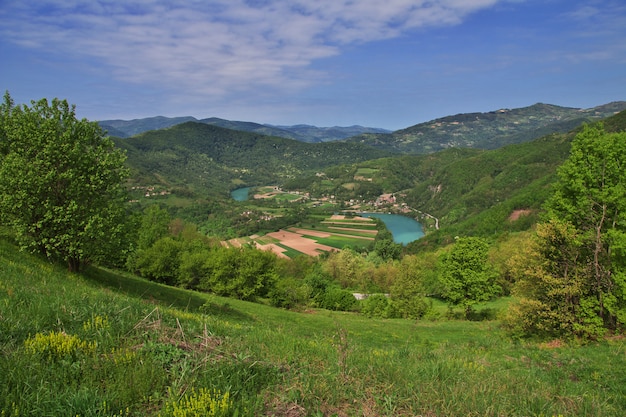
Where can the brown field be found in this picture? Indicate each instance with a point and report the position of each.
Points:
(358, 219)
(300, 243)
(274, 248)
(295, 238)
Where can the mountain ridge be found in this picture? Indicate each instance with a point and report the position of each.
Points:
(300, 132)
(487, 130)
(483, 130)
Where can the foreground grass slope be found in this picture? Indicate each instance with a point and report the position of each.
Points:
(109, 344)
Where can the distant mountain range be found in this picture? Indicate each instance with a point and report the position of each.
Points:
(488, 130)
(302, 133)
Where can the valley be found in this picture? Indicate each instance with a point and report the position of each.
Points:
(146, 293)
(191, 168)
(319, 234)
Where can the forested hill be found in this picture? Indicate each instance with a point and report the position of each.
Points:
(487, 130)
(199, 158)
(470, 191)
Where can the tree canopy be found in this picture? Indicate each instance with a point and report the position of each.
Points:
(61, 182)
(574, 282)
(466, 275)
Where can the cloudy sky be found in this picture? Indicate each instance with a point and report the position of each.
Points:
(380, 63)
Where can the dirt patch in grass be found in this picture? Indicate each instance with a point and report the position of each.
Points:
(516, 214)
(342, 217)
(273, 248)
(553, 344)
(235, 243)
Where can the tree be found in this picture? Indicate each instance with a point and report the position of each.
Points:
(61, 182)
(552, 285)
(583, 240)
(387, 249)
(161, 261)
(245, 273)
(466, 276)
(591, 195)
(152, 226)
(346, 267)
(408, 291)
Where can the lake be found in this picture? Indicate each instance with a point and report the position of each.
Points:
(240, 194)
(404, 229)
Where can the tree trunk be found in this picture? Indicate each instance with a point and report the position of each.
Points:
(73, 264)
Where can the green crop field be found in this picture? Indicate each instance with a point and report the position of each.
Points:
(340, 242)
(366, 172)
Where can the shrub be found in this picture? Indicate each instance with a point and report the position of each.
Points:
(338, 300)
(57, 345)
(289, 293)
(378, 306)
(201, 403)
(413, 307)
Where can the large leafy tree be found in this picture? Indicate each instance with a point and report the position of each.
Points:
(408, 291)
(466, 275)
(575, 277)
(61, 182)
(591, 195)
(245, 273)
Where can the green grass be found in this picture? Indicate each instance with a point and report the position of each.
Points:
(147, 347)
(351, 224)
(347, 233)
(289, 252)
(340, 242)
(366, 171)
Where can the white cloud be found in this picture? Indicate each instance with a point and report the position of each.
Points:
(218, 46)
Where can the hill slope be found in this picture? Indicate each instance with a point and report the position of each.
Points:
(128, 128)
(488, 130)
(470, 191)
(107, 343)
(200, 159)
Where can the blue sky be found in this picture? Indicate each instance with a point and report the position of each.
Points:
(390, 64)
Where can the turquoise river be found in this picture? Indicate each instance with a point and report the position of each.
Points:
(403, 229)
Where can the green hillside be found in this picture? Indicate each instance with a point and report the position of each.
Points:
(128, 128)
(373, 330)
(470, 191)
(195, 159)
(487, 130)
(193, 167)
(110, 344)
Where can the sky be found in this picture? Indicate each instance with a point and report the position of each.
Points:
(378, 63)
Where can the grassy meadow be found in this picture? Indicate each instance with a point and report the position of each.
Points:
(105, 343)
